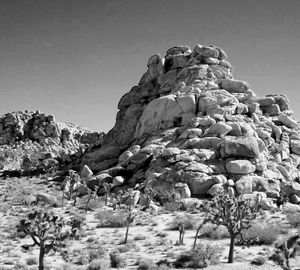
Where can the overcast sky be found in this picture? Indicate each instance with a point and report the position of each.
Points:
(76, 58)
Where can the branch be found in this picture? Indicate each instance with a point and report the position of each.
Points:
(34, 240)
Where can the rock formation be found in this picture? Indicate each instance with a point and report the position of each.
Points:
(32, 139)
(189, 127)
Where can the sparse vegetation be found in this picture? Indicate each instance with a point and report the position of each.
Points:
(99, 265)
(233, 213)
(201, 257)
(214, 232)
(31, 261)
(294, 219)
(260, 260)
(285, 251)
(109, 218)
(46, 230)
(260, 233)
(116, 260)
(187, 220)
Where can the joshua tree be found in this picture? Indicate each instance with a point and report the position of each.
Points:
(75, 223)
(91, 195)
(46, 230)
(117, 198)
(130, 217)
(150, 194)
(205, 220)
(181, 230)
(234, 213)
(282, 198)
(69, 184)
(285, 251)
(107, 187)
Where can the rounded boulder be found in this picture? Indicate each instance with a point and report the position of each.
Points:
(240, 167)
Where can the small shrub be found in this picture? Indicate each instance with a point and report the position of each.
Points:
(214, 232)
(81, 259)
(68, 266)
(128, 246)
(172, 206)
(108, 218)
(139, 237)
(95, 252)
(162, 234)
(294, 219)
(188, 221)
(203, 255)
(261, 234)
(91, 239)
(116, 260)
(98, 265)
(163, 267)
(260, 260)
(146, 264)
(31, 261)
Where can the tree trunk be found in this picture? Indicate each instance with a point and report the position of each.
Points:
(127, 230)
(231, 248)
(196, 236)
(41, 257)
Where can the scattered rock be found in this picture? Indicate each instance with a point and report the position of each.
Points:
(86, 172)
(118, 181)
(46, 198)
(287, 121)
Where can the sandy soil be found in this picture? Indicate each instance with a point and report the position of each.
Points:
(149, 236)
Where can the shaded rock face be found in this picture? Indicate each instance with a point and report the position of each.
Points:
(31, 140)
(189, 123)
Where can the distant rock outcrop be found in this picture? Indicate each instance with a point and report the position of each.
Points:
(31, 141)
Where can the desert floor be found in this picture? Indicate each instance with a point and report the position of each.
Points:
(150, 236)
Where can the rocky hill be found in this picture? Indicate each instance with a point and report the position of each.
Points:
(34, 141)
(189, 127)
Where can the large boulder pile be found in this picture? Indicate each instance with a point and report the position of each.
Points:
(31, 140)
(189, 127)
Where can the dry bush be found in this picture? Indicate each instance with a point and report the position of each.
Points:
(214, 232)
(172, 206)
(260, 260)
(95, 252)
(98, 265)
(201, 257)
(261, 233)
(116, 260)
(127, 247)
(87, 255)
(148, 264)
(139, 237)
(31, 261)
(189, 222)
(90, 204)
(68, 266)
(108, 218)
(294, 219)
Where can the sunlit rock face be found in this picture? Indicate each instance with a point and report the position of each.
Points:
(189, 121)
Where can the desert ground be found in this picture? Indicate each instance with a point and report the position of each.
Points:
(153, 235)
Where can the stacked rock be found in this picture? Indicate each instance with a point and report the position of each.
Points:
(29, 138)
(189, 121)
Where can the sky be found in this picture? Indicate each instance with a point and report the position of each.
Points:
(76, 58)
